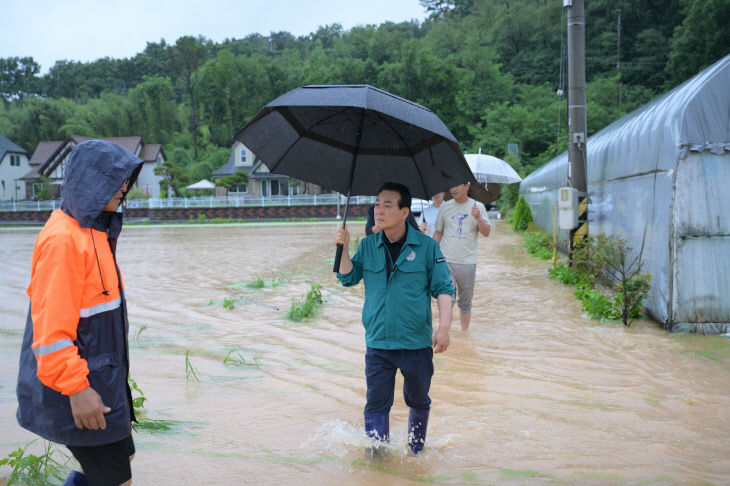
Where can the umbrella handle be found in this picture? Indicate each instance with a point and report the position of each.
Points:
(338, 258)
(338, 252)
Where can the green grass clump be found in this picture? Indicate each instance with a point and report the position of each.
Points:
(32, 469)
(306, 308)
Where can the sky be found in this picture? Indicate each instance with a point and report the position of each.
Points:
(86, 30)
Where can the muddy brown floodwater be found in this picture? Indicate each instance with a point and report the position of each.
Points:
(534, 393)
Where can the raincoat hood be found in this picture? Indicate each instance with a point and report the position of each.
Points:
(95, 171)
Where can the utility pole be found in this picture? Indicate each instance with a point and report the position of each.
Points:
(577, 127)
(618, 58)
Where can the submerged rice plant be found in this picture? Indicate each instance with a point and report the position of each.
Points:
(189, 369)
(137, 402)
(157, 426)
(306, 308)
(258, 283)
(229, 304)
(239, 360)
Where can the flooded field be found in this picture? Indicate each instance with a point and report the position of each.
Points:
(534, 393)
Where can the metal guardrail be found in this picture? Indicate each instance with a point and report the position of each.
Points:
(205, 202)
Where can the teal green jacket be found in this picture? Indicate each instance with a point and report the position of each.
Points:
(397, 311)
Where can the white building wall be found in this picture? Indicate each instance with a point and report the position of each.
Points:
(148, 181)
(10, 187)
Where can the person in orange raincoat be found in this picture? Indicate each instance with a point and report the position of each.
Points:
(74, 362)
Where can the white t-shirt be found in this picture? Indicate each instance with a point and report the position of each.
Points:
(429, 215)
(459, 230)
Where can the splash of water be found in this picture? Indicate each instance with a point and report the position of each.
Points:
(343, 440)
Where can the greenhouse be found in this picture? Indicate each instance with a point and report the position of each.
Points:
(657, 178)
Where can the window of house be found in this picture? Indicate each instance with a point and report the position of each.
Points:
(240, 189)
(15, 160)
(274, 188)
(243, 156)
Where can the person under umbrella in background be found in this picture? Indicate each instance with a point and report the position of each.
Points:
(427, 219)
(402, 269)
(74, 362)
(459, 223)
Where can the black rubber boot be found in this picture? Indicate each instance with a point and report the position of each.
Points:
(417, 425)
(76, 479)
(377, 426)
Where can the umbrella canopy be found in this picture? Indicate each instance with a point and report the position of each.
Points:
(483, 192)
(354, 138)
(491, 169)
(202, 184)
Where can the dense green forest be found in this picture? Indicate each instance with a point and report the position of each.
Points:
(489, 68)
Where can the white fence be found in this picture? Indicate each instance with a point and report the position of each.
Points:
(205, 202)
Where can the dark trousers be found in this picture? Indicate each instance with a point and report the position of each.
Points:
(416, 366)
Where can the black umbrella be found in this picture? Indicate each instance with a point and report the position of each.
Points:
(354, 138)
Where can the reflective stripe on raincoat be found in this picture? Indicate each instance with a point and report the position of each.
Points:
(76, 330)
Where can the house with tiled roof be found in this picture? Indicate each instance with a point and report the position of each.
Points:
(50, 157)
(261, 182)
(13, 165)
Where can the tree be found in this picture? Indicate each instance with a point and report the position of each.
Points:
(35, 120)
(231, 90)
(154, 109)
(173, 176)
(448, 8)
(18, 77)
(237, 179)
(188, 54)
(701, 39)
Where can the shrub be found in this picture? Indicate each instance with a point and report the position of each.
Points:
(596, 304)
(522, 215)
(567, 275)
(613, 261)
(540, 244)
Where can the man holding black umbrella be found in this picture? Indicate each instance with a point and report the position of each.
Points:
(402, 269)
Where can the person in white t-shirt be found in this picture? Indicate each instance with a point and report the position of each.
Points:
(457, 228)
(427, 219)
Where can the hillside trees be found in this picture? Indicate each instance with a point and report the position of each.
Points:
(489, 68)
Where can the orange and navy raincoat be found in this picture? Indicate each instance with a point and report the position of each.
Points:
(76, 330)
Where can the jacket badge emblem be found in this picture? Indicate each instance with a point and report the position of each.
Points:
(411, 256)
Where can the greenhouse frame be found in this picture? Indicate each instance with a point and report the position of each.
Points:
(657, 178)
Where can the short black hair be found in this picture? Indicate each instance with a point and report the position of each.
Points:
(405, 194)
